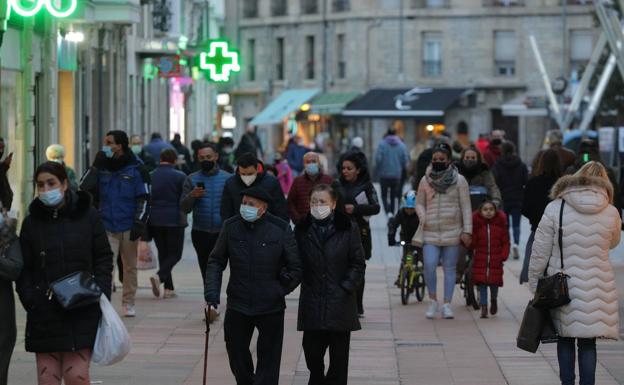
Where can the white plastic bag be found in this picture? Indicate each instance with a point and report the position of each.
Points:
(112, 342)
(147, 257)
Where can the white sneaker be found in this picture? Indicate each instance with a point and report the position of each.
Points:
(433, 309)
(170, 294)
(155, 281)
(447, 312)
(129, 311)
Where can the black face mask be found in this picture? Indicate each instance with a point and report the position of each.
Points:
(207, 165)
(439, 166)
(470, 164)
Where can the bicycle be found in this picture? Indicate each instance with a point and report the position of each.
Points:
(411, 276)
(467, 285)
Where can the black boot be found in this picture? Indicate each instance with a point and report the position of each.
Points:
(484, 311)
(494, 308)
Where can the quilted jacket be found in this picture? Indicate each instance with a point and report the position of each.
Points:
(591, 226)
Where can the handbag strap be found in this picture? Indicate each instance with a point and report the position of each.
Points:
(559, 238)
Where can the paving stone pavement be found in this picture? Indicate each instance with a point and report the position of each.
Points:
(396, 346)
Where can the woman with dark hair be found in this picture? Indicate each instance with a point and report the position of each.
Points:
(333, 268)
(537, 196)
(444, 210)
(511, 176)
(478, 175)
(61, 235)
(359, 201)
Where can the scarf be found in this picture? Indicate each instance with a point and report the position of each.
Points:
(442, 180)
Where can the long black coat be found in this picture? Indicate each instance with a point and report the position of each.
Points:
(536, 198)
(264, 265)
(56, 243)
(332, 271)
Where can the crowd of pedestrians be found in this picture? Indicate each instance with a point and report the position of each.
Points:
(465, 200)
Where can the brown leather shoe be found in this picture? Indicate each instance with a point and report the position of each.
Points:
(494, 307)
(484, 311)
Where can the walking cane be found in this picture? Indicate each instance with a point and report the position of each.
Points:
(207, 319)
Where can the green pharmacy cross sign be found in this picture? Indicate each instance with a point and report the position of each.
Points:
(220, 61)
(28, 8)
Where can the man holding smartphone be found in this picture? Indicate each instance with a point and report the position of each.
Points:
(202, 194)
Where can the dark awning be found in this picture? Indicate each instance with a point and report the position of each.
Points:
(397, 103)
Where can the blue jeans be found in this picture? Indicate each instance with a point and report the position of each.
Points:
(586, 358)
(483, 293)
(431, 257)
(514, 216)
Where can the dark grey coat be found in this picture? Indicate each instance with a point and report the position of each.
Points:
(10, 267)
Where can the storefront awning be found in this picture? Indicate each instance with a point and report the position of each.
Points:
(283, 105)
(397, 103)
(526, 105)
(331, 103)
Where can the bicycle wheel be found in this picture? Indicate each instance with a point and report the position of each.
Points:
(405, 289)
(471, 299)
(419, 282)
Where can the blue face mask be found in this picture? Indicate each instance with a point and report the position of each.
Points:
(51, 198)
(312, 168)
(108, 151)
(249, 213)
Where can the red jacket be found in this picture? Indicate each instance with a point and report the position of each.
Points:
(491, 154)
(487, 267)
(299, 195)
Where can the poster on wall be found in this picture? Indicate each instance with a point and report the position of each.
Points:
(606, 138)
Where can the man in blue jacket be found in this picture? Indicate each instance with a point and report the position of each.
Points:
(202, 194)
(390, 162)
(156, 146)
(120, 186)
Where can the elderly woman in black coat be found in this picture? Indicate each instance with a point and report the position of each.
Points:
(333, 268)
(61, 235)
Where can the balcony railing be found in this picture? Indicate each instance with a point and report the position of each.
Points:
(577, 2)
(432, 68)
(503, 3)
(309, 7)
(250, 9)
(420, 4)
(341, 5)
(279, 8)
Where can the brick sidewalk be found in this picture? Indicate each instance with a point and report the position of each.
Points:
(396, 346)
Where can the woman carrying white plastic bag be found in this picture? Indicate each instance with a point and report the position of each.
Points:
(112, 342)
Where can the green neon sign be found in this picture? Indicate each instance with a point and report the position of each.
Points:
(28, 10)
(220, 61)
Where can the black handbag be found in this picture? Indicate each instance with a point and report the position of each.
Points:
(536, 327)
(75, 290)
(552, 291)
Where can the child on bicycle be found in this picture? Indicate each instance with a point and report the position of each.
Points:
(490, 245)
(408, 221)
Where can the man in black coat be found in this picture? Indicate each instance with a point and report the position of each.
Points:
(264, 267)
(249, 174)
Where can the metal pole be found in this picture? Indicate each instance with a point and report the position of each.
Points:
(401, 43)
(325, 41)
(369, 28)
(551, 95)
(564, 35)
(597, 96)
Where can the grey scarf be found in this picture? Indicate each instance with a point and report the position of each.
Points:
(442, 180)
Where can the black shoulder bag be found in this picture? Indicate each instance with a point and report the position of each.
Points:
(552, 291)
(74, 290)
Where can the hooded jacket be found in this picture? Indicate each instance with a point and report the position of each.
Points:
(490, 242)
(232, 198)
(56, 243)
(591, 226)
(444, 216)
(391, 157)
(333, 268)
(511, 176)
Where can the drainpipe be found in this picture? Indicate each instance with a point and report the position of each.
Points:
(100, 83)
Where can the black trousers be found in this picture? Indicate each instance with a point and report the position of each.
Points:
(170, 243)
(203, 242)
(390, 186)
(238, 330)
(367, 244)
(315, 344)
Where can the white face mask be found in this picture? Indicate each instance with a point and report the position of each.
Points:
(248, 179)
(320, 212)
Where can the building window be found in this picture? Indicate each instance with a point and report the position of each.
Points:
(250, 9)
(341, 5)
(503, 3)
(279, 7)
(251, 54)
(309, 7)
(581, 47)
(279, 53)
(432, 54)
(505, 53)
(309, 55)
(418, 4)
(341, 62)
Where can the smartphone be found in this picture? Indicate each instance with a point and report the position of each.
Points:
(201, 185)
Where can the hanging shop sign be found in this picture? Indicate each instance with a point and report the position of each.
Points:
(169, 67)
(220, 61)
(29, 8)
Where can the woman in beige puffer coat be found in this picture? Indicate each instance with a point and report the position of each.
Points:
(443, 207)
(591, 226)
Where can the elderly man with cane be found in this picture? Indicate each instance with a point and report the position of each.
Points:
(264, 267)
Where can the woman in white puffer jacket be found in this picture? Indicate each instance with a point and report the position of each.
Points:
(591, 226)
